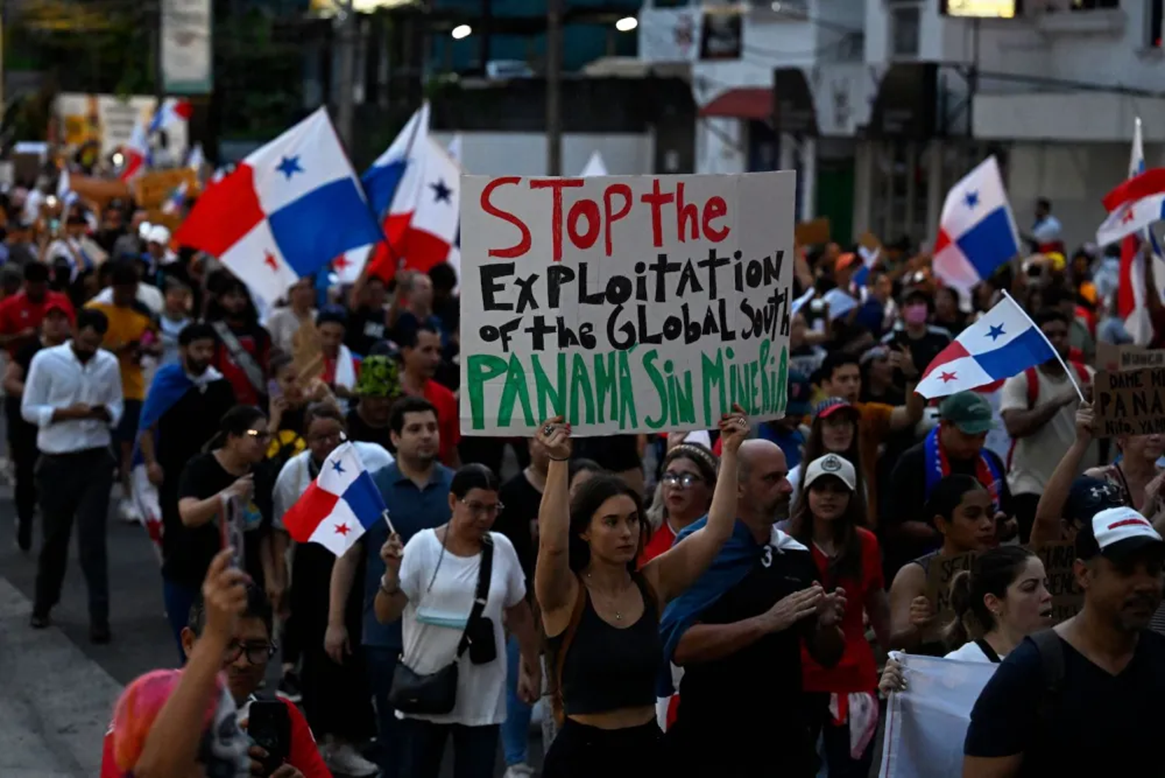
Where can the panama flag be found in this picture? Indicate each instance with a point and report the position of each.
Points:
(170, 112)
(339, 506)
(1130, 296)
(285, 212)
(1003, 343)
(431, 229)
(136, 153)
(976, 231)
(392, 185)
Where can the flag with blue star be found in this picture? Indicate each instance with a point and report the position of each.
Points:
(339, 506)
(1003, 343)
(977, 232)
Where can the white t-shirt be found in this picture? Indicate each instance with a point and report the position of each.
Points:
(1036, 456)
(434, 621)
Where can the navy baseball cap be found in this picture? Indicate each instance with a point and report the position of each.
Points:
(1089, 496)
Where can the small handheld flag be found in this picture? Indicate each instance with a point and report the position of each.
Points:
(1002, 344)
(339, 506)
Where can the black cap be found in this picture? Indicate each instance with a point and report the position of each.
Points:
(1089, 496)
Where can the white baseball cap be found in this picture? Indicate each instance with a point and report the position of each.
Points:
(831, 464)
(158, 233)
(1118, 532)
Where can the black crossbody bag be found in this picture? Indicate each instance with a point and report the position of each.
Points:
(436, 693)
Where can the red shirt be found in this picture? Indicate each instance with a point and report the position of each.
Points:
(448, 420)
(304, 755)
(661, 540)
(857, 671)
(18, 313)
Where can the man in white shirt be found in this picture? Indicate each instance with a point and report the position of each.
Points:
(73, 395)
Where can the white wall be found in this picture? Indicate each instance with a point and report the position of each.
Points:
(1074, 177)
(524, 153)
(1068, 116)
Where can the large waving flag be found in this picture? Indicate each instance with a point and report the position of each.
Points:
(339, 506)
(431, 230)
(1003, 343)
(977, 229)
(285, 212)
(1130, 298)
(392, 185)
(1133, 206)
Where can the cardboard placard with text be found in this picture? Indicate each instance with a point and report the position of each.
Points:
(1129, 402)
(940, 573)
(151, 189)
(627, 304)
(1067, 598)
(1113, 358)
(813, 233)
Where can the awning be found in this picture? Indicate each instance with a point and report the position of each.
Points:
(749, 102)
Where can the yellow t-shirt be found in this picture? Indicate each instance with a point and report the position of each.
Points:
(126, 325)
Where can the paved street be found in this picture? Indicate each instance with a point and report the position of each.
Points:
(56, 689)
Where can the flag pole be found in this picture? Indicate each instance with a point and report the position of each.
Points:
(1059, 358)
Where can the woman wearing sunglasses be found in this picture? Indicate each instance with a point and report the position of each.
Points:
(221, 505)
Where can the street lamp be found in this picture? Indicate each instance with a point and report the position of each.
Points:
(626, 24)
(461, 31)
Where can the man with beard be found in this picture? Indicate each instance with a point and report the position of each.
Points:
(416, 492)
(1084, 698)
(181, 412)
(740, 627)
(73, 394)
(420, 351)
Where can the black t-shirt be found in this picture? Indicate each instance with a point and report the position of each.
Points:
(521, 501)
(1097, 724)
(190, 555)
(365, 328)
(923, 349)
(905, 500)
(22, 357)
(768, 672)
(363, 432)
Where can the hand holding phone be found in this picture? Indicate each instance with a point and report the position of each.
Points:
(269, 727)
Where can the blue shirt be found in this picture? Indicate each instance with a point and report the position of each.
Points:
(411, 510)
(791, 442)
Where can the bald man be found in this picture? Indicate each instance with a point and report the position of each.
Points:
(737, 635)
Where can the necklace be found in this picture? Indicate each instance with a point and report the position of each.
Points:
(608, 598)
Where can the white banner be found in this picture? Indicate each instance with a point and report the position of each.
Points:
(187, 50)
(626, 304)
(927, 723)
(670, 34)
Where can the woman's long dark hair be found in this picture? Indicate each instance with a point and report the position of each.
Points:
(845, 535)
(235, 422)
(586, 503)
(992, 572)
(815, 449)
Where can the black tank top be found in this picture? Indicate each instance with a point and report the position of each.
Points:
(934, 647)
(607, 668)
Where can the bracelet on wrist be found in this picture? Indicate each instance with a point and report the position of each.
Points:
(557, 459)
(390, 592)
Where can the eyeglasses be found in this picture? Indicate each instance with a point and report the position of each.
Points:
(682, 480)
(478, 509)
(259, 434)
(338, 436)
(257, 653)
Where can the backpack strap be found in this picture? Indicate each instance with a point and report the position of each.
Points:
(1033, 386)
(1082, 372)
(1051, 648)
(555, 682)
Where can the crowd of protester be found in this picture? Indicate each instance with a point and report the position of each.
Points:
(709, 602)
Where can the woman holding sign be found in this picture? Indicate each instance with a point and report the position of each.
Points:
(601, 613)
(962, 512)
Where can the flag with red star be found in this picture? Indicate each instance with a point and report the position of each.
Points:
(339, 506)
(1003, 343)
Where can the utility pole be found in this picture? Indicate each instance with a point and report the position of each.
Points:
(346, 26)
(554, 87)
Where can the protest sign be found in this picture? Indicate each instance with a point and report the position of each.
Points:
(151, 189)
(626, 304)
(1067, 599)
(941, 571)
(812, 233)
(927, 722)
(1113, 358)
(1129, 402)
